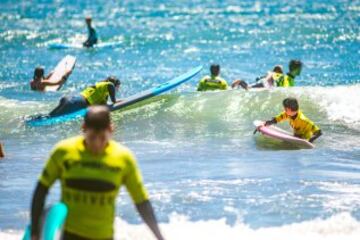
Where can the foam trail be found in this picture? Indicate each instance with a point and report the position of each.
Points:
(341, 226)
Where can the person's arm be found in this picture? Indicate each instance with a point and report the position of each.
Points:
(316, 135)
(147, 214)
(270, 122)
(37, 207)
(139, 195)
(112, 93)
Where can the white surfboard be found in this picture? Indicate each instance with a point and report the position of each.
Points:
(65, 65)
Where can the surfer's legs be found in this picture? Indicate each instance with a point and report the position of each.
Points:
(257, 85)
(69, 105)
(240, 83)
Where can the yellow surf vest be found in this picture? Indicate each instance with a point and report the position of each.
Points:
(212, 83)
(98, 94)
(283, 80)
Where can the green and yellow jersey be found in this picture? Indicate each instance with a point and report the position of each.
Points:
(303, 127)
(283, 80)
(90, 184)
(209, 83)
(98, 94)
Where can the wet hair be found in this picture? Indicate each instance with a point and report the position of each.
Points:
(291, 103)
(113, 80)
(294, 64)
(39, 72)
(97, 118)
(278, 69)
(214, 69)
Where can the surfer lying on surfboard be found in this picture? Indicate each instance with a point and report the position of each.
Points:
(276, 78)
(92, 37)
(303, 127)
(39, 81)
(97, 94)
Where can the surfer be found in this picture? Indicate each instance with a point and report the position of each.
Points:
(97, 94)
(39, 81)
(92, 36)
(303, 127)
(213, 82)
(276, 78)
(92, 168)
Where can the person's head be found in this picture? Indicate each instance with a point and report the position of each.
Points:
(97, 128)
(291, 106)
(215, 69)
(88, 20)
(278, 69)
(38, 73)
(295, 67)
(114, 81)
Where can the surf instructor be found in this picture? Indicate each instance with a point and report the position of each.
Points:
(97, 94)
(92, 168)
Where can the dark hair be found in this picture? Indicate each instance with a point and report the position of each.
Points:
(39, 72)
(291, 103)
(97, 118)
(214, 68)
(294, 64)
(114, 80)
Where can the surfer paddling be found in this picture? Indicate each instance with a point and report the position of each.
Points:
(97, 94)
(92, 168)
(275, 78)
(303, 127)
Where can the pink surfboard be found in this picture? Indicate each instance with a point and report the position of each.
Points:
(280, 134)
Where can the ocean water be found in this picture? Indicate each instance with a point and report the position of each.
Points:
(208, 176)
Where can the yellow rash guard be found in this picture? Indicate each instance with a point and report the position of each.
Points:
(98, 94)
(303, 127)
(212, 83)
(90, 184)
(283, 80)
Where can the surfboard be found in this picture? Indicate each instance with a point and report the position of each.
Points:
(54, 219)
(280, 134)
(80, 46)
(45, 120)
(65, 65)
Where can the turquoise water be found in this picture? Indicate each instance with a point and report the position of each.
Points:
(208, 176)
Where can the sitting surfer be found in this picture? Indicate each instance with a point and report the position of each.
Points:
(303, 127)
(276, 78)
(213, 82)
(97, 94)
(92, 37)
(39, 81)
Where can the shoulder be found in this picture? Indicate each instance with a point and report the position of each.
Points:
(69, 144)
(204, 79)
(121, 152)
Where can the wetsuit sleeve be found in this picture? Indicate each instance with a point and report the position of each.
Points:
(281, 117)
(133, 181)
(52, 170)
(111, 89)
(37, 207)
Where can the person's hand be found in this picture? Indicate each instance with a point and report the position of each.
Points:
(268, 123)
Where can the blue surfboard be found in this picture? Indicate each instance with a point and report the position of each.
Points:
(47, 120)
(80, 46)
(54, 220)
